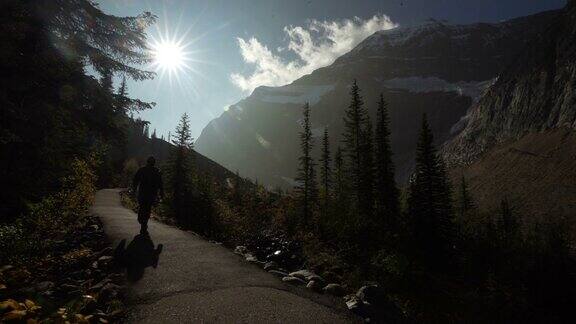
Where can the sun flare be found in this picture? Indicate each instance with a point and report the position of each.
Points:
(168, 55)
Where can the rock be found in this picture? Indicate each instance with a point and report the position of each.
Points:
(106, 251)
(271, 265)
(241, 250)
(278, 273)
(89, 306)
(105, 259)
(68, 287)
(44, 286)
(109, 292)
(100, 285)
(306, 275)
(250, 258)
(293, 280)
(371, 294)
(116, 278)
(359, 308)
(315, 285)
(334, 289)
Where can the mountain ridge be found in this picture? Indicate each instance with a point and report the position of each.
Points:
(258, 135)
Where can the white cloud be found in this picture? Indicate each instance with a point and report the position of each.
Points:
(315, 46)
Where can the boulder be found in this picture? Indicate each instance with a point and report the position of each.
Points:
(306, 275)
(241, 250)
(108, 292)
(371, 294)
(278, 273)
(315, 285)
(294, 280)
(44, 286)
(100, 285)
(250, 258)
(334, 289)
(359, 308)
(271, 265)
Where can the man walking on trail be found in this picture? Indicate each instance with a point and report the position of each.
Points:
(148, 182)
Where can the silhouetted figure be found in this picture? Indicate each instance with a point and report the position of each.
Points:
(138, 255)
(148, 183)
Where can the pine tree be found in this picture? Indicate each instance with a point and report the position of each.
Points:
(387, 195)
(339, 174)
(306, 175)
(429, 202)
(366, 189)
(326, 169)
(106, 81)
(465, 202)
(104, 41)
(237, 189)
(354, 119)
(507, 223)
(180, 172)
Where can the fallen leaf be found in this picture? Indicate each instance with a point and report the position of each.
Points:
(10, 303)
(29, 304)
(14, 315)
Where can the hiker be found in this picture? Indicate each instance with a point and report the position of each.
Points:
(148, 182)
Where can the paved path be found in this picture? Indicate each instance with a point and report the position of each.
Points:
(196, 281)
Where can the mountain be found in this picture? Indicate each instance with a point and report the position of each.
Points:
(519, 140)
(436, 68)
(535, 93)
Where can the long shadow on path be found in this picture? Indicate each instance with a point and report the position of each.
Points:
(137, 256)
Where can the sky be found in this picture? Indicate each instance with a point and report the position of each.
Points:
(233, 46)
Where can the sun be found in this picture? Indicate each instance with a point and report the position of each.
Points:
(168, 55)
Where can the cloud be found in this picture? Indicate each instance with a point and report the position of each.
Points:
(315, 46)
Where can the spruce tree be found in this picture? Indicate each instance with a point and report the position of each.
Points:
(387, 195)
(465, 202)
(429, 202)
(307, 188)
(507, 223)
(180, 172)
(237, 189)
(354, 120)
(366, 189)
(339, 175)
(326, 168)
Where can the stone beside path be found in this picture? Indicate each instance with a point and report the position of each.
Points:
(198, 281)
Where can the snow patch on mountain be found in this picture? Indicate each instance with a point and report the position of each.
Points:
(473, 89)
(295, 94)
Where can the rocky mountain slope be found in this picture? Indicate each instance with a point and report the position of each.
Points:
(535, 93)
(436, 68)
(519, 140)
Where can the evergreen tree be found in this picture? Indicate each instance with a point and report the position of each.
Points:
(180, 172)
(326, 169)
(354, 119)
(366, 189)
(429, 202)
(465, 202)
(387, 195)
(106, 42)
(507, 223)
(339, 173)
(106, 81)
(306, 175)
(237, 189)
